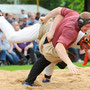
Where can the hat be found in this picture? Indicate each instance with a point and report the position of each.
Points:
(22, 9)
(25, 16)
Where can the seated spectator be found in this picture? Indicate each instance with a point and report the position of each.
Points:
(24, 49)
(36, 48)
(25, 20)
(10, 18)
(21, 24)
(10, 54)
(37, 15)
(2, 56)
(29, 15)
(33, 20)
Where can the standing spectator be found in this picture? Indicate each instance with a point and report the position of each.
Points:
(22, 13)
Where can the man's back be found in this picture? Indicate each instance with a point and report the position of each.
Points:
(67, 30)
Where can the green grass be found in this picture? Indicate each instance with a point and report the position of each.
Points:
(16, 67)
(28, 67)
(78, 64)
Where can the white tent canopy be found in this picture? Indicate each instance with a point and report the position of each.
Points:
(16, 9)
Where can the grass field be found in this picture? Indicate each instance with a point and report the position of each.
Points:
(27, 67)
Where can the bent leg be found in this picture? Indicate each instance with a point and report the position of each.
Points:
(37, 68)
(49, 69)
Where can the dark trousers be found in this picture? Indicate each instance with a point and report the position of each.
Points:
(20, 54)
(37, 68)
(31, 54)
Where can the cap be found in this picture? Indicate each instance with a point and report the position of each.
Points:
(25, 16)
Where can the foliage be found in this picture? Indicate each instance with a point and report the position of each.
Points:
(77, 5)
(6, 1)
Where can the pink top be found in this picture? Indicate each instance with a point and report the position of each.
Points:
(67, 30)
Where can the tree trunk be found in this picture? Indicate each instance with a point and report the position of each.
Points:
(87, 5)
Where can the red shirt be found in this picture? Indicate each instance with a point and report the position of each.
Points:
(67, 30)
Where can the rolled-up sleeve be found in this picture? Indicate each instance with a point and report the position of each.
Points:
(67, 37)
(66, 11)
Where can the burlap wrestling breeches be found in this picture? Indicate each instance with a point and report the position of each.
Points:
(47, 49)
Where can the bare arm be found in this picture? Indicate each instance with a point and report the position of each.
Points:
(62, 53)
(11, 48)
(53, 13)
(56, 21)
(3, 37)
(29, 46)
(17, 47)
(64, 57)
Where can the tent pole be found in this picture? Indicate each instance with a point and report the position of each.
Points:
(37, 5)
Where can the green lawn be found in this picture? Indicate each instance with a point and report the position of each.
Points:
(27, 67)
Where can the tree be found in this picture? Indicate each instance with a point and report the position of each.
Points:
(6, 1)
(77, 5)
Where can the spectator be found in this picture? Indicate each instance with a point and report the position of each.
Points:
(10, 18)
(25, 20)
(2, 56)
(21, 24)
(37, 15)
(29, 15)
(6, 15)
(24, 48)
(33, 20)
(5, 45)
(22, 13)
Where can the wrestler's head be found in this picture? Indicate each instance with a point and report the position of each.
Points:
(85, 42)
(84, 21)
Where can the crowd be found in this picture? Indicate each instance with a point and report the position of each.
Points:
(25, 53)
(21, 53)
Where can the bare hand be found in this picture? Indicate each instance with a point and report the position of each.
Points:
(73, 68)
(9, 51)
(49, 36)
(20, 50)
(43, 19)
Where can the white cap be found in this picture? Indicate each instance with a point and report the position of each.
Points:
(80, 35)
(25, 16)
(22, 9)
